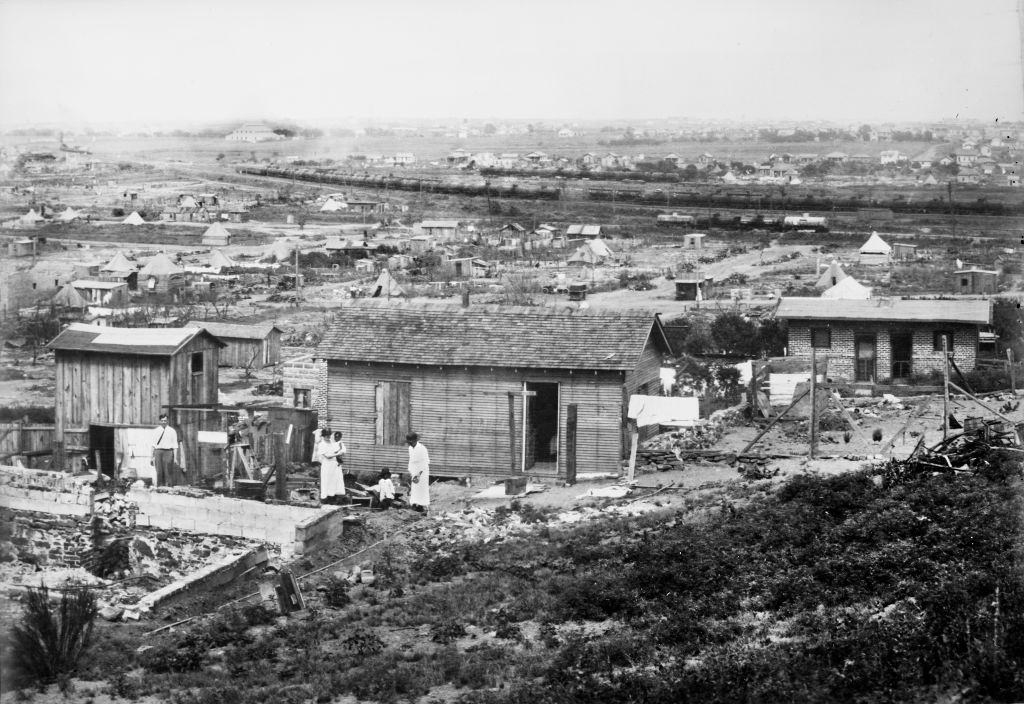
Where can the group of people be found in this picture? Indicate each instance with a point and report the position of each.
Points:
(329, 452)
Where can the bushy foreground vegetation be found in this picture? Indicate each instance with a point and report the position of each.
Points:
(863, 587)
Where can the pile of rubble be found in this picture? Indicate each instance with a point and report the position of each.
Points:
(977, 449)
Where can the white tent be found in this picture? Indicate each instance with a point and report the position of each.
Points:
(831, 276)
(31, 217)
(386, 286)
(280, 251)
(333, 206)
(119, 264)
(219, 259)
(216, 234)
(875, 245)
(591, 252)
(68, 215)
(160, 265)
(848, 289)
(134, 219)
(730, 177)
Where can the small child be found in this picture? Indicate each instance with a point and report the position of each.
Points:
(385, 490)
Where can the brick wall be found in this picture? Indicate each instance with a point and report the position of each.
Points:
(301, 370)
(924, 357)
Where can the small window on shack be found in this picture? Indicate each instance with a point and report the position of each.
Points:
(393, 412)
(939, 336)
(821, 338)
(302, 397)
(197, 362)
(965, 281)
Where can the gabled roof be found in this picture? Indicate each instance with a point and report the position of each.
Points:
(490, 336)
(102, 285)
(585, 230)
(257, 331)
(161, 342)
(439, 223)
(973, 311)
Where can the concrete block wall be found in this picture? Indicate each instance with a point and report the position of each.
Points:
(295, 528)
(924, 356)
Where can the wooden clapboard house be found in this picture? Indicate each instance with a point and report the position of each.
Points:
(123, 378)
(255, 346)
(489, 390)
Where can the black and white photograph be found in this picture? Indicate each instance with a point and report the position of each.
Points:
(548, 352)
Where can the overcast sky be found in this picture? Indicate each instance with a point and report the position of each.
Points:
(194, 61)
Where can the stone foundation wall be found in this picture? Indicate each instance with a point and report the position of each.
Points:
(304, 371)
(297, 528)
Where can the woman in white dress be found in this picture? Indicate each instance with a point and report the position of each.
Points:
(419, 473)
(331, 483)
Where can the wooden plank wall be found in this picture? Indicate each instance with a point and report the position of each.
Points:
(25, 437)
(272, 348)
(239, 352)
(462, 416)
(188, 388)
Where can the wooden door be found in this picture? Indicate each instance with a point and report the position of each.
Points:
(864, 357)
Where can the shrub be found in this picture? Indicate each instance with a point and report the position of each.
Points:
(48, 644)
(336, 593)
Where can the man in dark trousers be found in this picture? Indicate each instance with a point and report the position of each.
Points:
(165, 449)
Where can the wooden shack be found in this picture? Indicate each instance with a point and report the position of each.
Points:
(694, 289)
(903, 252)
(256, 345)
(161, 275)
(976, 281)
(490, 390)
(112, 384)
(102, 293)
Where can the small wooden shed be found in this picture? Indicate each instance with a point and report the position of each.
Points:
(694, 289)
(109, 378)
(257, 345)
(976, 281)
(490, 390)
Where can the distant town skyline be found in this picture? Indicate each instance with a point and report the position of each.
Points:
(94, 62)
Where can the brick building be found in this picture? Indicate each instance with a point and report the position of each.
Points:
(884, 339)
(304, 378)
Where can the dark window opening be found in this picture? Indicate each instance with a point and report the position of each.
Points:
(197, 362)
(302, 398)
(821, 338)
(939, 336)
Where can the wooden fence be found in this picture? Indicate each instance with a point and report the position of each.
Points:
(19, 437)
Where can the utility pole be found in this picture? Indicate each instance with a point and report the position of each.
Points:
(298, 280)
(814, 404)
(945, 387)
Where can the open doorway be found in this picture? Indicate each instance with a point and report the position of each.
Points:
(101, 445)
(542, 426)
(902, 345)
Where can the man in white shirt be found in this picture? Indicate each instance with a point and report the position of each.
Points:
(419, 473)
(165, 448)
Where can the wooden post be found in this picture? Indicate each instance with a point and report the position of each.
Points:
(58, 459)
(814, 405)
(281, 468)
(512, 432)
(634, 441)
(570, 443)
(1013, 371)
(945, 387)
(775, 420)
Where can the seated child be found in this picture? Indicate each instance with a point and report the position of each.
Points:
(384, 492)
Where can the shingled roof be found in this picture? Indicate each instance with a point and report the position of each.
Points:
(498, 337)
(161, 342)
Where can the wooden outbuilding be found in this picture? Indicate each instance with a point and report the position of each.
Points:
(102, 293)
(490, 390)
(976, 281)
(245, 345)
(112, 384)
(694, 289)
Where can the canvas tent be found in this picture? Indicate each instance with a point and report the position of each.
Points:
(119, 264)
(68, 215)
(333, 206)
(160, 265)
(69, 297)
(281, 250)
(590, 253)
(221, 260)
(848, 289)
(875, 250)
(831, 276)
(134, 219)
(31, 218)
(386, 286)
(216, 234)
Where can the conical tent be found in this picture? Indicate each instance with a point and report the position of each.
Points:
(69, 297)
(134, 219)
(831, 276)
(31, 217)
(219, 259)
(68, 215)
(386, 286)
(848, 289)
(875, 245)
(585, 256)
(216, 231)
(599, 248)
(332, 206)
(120, 263)
(160, 265)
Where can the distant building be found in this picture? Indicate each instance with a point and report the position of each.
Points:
(252, 133)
